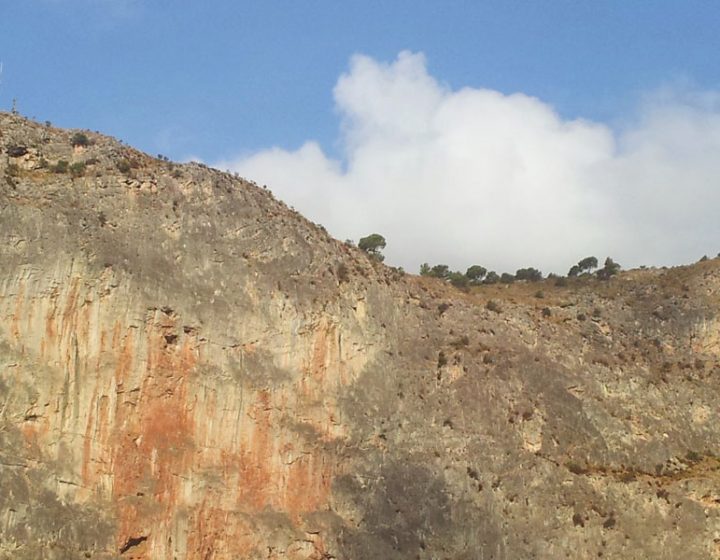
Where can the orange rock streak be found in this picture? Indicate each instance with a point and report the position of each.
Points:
(154, 430)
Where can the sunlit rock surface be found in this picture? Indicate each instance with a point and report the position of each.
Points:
(190, 369)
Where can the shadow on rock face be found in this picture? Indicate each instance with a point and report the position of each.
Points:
(404, 510)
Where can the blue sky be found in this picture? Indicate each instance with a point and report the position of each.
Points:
(216, 77)
(228, 81)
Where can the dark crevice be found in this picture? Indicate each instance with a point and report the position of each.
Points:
(131, 542)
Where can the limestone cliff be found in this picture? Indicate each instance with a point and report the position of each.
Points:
(190, 369)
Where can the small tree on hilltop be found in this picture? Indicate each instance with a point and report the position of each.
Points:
(372, 245)
(584, 265)
(440, 271)
(491, 278)
(476, 273)
(424, 269)
(588, 263)
(611, 268)
(530, 274)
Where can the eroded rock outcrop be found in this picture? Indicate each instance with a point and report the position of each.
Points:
(189, 369)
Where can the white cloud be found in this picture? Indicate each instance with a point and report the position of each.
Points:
(477, 176)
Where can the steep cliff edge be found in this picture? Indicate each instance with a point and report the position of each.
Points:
(189, 369)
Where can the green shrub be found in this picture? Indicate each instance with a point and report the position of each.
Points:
(123, 166)
(458, 279)
(79, 139)
(61, 166)
(77, 169)
(693, 456)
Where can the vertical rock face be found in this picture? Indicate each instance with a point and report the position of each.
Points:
(172, 428)
(189, 369)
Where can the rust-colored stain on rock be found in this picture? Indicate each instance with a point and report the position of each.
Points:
(146, 436)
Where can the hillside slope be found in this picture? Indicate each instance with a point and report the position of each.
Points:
(190, 369)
